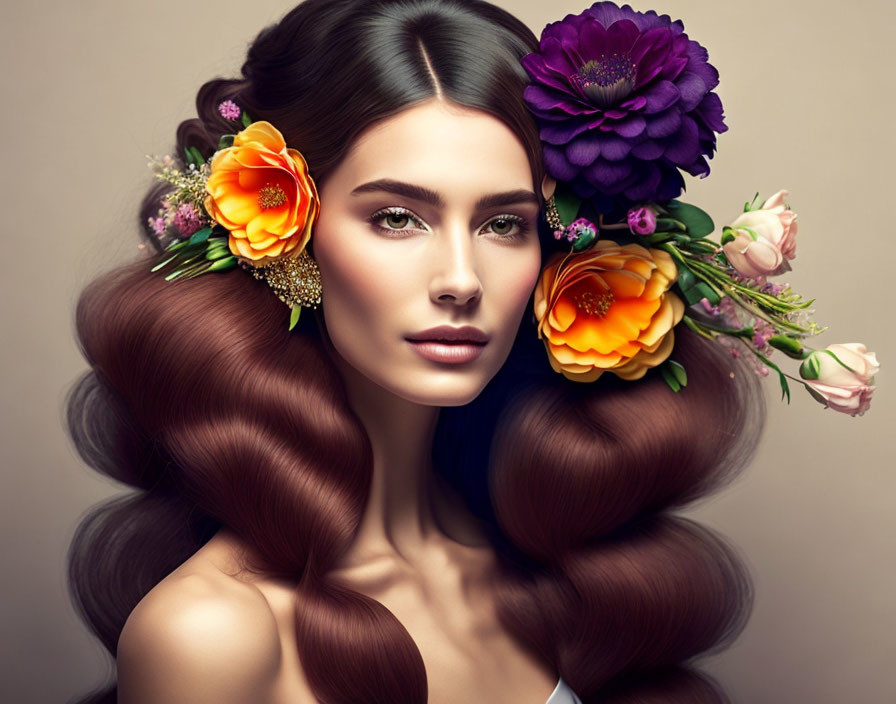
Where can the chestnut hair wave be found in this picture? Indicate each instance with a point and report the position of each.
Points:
(200, 399)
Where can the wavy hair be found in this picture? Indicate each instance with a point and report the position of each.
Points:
(201, 400)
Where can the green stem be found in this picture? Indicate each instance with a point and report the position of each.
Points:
(709, 247)
(742, 332)
(768, 300)
(697, 327)
(677, 254)
(774, 366)
(733, 289)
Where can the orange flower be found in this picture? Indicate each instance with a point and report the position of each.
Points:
(263, 194)
(608, 309)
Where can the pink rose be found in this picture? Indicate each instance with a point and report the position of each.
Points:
(763, 240)
(844, 390)
(787, 243)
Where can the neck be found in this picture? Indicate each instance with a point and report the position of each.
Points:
(399, 520)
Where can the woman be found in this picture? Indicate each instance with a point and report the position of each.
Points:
(360, 510)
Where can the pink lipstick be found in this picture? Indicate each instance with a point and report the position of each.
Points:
(449, 344)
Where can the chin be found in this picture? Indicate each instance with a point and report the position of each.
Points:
(442, 388)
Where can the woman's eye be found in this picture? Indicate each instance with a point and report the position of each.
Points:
(504, 226)
(395, 220)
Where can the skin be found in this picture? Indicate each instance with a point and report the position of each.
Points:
(418, 550)
(450, 268)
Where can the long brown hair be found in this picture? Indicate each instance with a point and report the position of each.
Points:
(200, 399)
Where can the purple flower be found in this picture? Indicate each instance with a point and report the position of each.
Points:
(581, 227)
(642, 221)
(623, 100)
(187, 219)
(229, 110)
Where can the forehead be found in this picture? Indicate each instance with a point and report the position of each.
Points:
(453, 149)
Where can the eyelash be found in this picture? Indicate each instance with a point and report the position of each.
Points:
(521, 223)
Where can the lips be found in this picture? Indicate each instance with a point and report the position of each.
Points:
(451, 335)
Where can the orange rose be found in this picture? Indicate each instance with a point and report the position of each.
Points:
(262, 193)
(608, 309)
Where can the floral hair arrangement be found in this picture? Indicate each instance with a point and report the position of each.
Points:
(624, 103)
(253, 205)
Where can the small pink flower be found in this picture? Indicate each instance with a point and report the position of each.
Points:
(773, 288)
(762, 331)
(229, 110)
(187, 219)
(642, 221)
(157, 225)
(844, 390)
(581, 227)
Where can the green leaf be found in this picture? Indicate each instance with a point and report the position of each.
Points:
(223, 264)
(246, 119)
(752, 203)
(176, 245)
(705, 290)
(294, 316)
(678, 371)
(657, 237)
(670, 379)
(693, 295)
(200, 235)
(686, 278)
(197, 157)
(215, 253)
(163, 263)
(697, 221)
(785, 389)
(226, 141)
(567, 205)
(667, 224)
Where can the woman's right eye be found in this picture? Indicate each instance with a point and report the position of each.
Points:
(395, 219)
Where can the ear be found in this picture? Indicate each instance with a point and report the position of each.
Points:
(548, 185)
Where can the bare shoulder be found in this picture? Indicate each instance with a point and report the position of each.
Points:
(199, 637)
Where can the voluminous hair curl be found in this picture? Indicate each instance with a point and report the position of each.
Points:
(200, 399)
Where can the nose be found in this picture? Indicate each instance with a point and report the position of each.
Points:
(455, 279)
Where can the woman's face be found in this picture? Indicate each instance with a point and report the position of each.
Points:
(429, 221)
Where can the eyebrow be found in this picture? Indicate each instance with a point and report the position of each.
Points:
(425, 195)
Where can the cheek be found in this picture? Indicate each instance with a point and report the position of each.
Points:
(516, 278)
(359, 296)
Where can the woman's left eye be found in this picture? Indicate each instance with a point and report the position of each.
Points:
(504, 225)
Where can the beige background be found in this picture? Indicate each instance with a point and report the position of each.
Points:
(89, 87)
